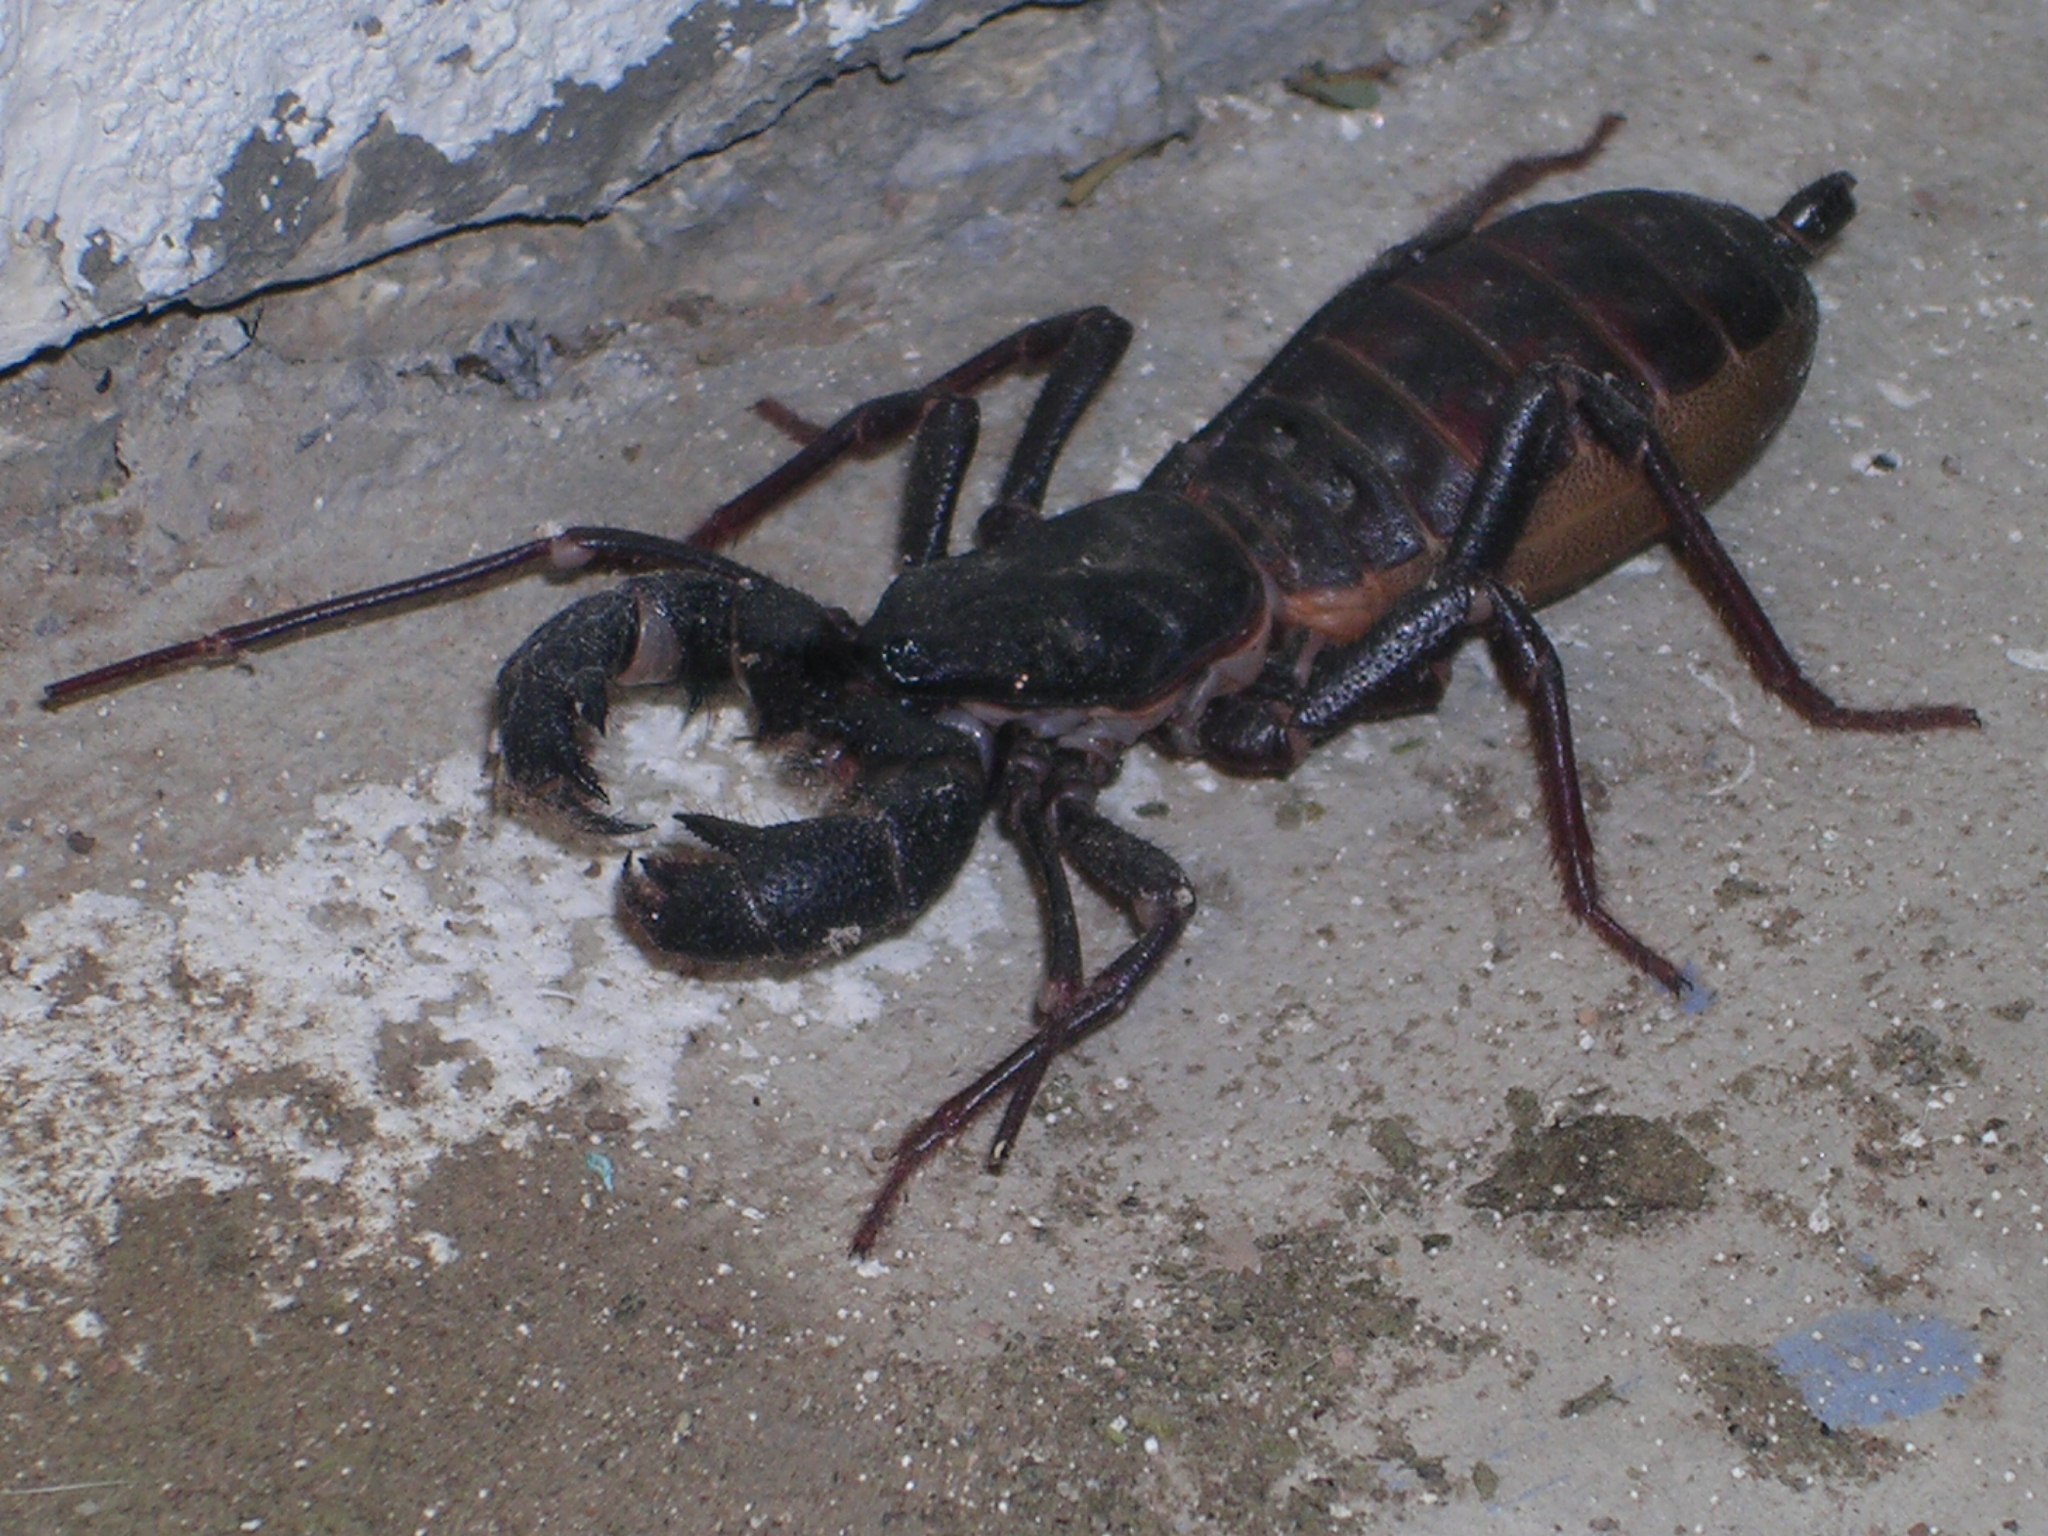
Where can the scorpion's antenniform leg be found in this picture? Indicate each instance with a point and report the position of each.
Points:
(1082, 347)
(1631, 437)
(559, 554)
(1160, 900)
(777, 894)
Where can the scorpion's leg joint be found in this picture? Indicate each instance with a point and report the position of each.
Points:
(566, 553)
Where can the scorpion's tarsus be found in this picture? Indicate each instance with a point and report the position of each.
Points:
(1695, 997)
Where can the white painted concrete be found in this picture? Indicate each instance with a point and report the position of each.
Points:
(119, 117)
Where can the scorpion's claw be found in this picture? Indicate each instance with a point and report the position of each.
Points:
(555, 688)
(778, 894)
(807, 890)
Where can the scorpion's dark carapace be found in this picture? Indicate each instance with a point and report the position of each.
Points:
(1494, 414)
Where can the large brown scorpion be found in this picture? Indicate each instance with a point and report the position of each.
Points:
(1493, 415)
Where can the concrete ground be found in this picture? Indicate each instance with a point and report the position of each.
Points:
(356, 1175)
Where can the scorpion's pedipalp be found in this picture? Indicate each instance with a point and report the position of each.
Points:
(805, 890)
(554, 689)
(753, 895)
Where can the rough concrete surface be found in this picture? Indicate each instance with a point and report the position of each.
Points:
(273, 146)
(174, 156)
(358, 1176)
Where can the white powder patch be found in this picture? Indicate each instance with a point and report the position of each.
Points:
(416, 973)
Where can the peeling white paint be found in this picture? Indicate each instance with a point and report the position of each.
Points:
(120, 123)
(119, 118)
(416, 973)
(848, 21)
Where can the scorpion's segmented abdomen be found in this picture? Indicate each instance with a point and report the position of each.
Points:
(1355, 451)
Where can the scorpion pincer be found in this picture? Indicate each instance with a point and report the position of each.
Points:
(1495, 413)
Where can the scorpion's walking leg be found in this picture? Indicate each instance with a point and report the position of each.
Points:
(939, 459)
(946, 440)
(1082, 348)
(1160, 900)
(1533, 673)
(1099, 340)
(1505, 184)
(1631, 437)
(1397, 662)
(1394, 663)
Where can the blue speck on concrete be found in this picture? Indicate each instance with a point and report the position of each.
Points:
(1860, 1368)
(1697, 997)
(600, 1165)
